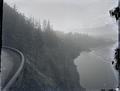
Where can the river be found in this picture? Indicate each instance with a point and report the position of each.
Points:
(95, 68)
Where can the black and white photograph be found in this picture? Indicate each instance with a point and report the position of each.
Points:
(60, 45)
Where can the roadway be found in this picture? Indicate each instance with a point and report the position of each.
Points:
(10, 65)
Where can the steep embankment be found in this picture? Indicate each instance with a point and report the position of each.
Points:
(49, 61)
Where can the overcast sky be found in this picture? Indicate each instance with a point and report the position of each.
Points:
(67, 15)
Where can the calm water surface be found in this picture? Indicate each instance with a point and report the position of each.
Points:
(95, 68)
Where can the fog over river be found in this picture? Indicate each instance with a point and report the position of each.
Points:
(95, 68)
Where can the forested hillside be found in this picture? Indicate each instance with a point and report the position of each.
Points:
(47, 52)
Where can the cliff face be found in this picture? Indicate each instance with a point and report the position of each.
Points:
(49, 62)
(33, 79)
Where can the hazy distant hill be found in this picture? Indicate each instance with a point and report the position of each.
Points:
(84, 41)
(108, 31)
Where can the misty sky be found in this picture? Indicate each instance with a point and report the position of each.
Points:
(68, 15)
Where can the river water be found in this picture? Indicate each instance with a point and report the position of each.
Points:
(95, 68)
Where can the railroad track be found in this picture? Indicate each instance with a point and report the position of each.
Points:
(13, 60)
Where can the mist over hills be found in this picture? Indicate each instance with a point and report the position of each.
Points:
(108, 31)
(46, 51)
(86, 41)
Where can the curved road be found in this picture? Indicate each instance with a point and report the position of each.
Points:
(11, 66)
(6, 66)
